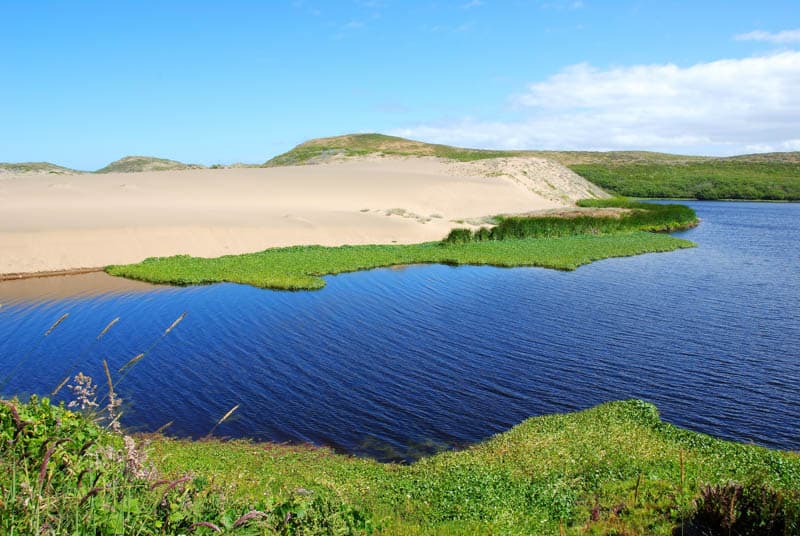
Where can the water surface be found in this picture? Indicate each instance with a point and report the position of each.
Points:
(395, 363)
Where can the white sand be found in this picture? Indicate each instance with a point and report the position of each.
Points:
(56, 222)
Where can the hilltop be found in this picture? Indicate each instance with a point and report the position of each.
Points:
(322, 149)
(134, 164)
(766, 176)
(128, 164)
(761, 176)
(35, 167)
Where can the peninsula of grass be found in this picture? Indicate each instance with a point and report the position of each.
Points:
(302, 267)
(548, 242)
(612, 469)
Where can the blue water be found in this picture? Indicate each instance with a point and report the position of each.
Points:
(394, 363)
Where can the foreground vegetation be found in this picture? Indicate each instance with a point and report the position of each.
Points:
(721, 178)
(613, 469)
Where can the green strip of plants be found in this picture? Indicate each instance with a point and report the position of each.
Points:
(302, 267)
(711, 179)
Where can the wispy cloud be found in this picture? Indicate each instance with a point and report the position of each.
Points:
(784, 37)
(471, 4)
(720, 107)
(562, 5)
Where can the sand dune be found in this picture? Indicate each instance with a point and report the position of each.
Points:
(54, 222)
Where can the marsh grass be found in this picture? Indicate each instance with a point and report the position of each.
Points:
(639, 216)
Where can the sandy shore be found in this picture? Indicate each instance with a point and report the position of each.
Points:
(57, 222)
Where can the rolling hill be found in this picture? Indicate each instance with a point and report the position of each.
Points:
(767, 176)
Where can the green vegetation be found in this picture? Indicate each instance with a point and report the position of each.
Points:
(637, 216)
(301, 267)
(133, 164)
(612, 469)
(719, 178)
(61, 473)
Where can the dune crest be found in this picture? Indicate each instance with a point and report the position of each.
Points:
(92, 220)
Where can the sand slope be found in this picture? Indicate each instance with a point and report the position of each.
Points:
(69, 221)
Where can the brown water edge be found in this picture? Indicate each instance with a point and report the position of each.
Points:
(44, 286)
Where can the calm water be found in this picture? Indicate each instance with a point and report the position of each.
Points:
(397, 362)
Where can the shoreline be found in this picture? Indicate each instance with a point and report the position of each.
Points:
(49, 273)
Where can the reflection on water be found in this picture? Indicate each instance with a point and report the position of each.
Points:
(398, 364)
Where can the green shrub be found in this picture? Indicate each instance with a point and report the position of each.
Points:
(746, 510)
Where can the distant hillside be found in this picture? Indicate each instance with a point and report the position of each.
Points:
(35, 167)
(133, 164)
(767, 176)
(321, 149)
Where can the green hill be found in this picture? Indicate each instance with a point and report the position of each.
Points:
(768, 176)
(320, 149)
(35, 167)
(133, 164)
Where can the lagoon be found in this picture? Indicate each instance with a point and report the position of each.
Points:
(398, 363)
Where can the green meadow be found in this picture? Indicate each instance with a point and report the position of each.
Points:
(729, 178)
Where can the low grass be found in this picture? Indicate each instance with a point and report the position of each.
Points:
(302, 267)
(612, 469)
(720, 178)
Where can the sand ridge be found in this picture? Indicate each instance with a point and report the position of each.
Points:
(55, 222)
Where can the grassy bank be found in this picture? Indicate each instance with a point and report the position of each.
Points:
(613, 469)
(729, 178)
(302, 267)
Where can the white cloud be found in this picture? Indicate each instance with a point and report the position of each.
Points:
(720, 107)
(471, 4)
(784, 37)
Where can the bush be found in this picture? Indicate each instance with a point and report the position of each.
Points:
(746, 510)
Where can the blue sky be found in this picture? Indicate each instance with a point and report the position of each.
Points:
(83, 83)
